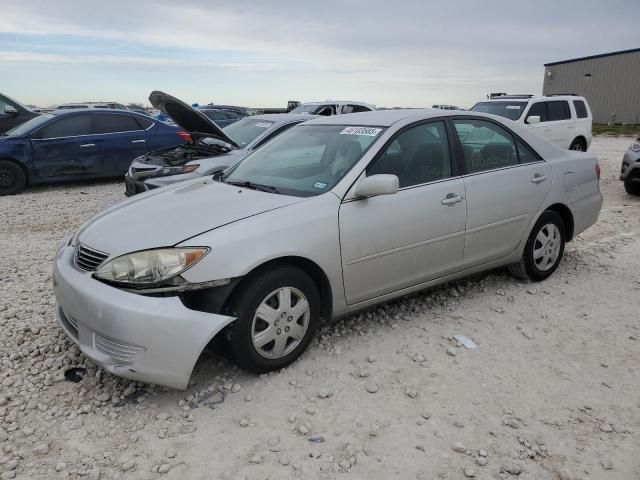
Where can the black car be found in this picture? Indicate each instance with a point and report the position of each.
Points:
(13, 113)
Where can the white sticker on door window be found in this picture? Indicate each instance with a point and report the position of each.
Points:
(513, 107)
(367, 131)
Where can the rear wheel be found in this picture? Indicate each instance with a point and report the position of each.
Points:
(12, 178)
(579, 145)
(544, 249)
(277, 313)
(632, 187)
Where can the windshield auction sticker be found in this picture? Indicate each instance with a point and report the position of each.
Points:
(368, 131)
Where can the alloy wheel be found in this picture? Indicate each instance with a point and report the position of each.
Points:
(280, 322)
(546, 247)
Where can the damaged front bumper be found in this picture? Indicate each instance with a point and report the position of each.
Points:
(150, 339)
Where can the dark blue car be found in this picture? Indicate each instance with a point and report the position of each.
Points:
(79, 144)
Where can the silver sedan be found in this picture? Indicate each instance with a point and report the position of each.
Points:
(334, 215)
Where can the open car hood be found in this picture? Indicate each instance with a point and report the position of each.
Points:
(187, 117)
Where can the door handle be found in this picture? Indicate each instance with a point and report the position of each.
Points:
(452, 199)
(537, 178)
(88, 145)
(138, 141)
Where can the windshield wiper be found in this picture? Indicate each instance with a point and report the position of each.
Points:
(254, 186)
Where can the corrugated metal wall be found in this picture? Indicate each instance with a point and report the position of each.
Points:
(613, 86)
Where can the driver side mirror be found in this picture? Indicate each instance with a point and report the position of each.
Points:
(381, 184)
(533, 119)
(10, 110)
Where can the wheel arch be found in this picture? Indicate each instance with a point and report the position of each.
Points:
(583, 139)
(311, 268)
(567, 217)
(20, 165)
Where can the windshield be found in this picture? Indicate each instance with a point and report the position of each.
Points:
(306, 108)
(29, 125)
(510, 110)
(306, 160)
(245, 131)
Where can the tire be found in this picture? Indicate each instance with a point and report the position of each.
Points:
(265, 341)
(631, 187)
(531, 266)
(12, 178)
(579, 145)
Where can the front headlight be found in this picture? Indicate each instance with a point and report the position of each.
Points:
(635, 147)
(150, 267)
(166, 171)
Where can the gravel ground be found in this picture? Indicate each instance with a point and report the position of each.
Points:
(552, 390)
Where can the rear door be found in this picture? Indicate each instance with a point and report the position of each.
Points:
(118, 138)
(505, 182)
(63, 148)
(560, 123)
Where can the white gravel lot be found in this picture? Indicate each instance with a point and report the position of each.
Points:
(552, 390)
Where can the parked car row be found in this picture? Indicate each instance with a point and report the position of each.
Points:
(333, 215)
(210, 149)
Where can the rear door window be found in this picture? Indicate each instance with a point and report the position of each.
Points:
(110, 123)
(485, 145)
(558, 110)
(581, 109)
(69, 126)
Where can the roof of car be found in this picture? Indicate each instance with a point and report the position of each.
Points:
(381, 118)
(284, 117)
(524, 98)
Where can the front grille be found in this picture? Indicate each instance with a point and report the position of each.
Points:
(87, 258)
(117, 349)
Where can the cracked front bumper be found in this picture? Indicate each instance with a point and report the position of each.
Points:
(149, 339)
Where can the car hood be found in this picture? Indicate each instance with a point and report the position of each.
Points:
(188, 118)
(208, 165)
(170, 215)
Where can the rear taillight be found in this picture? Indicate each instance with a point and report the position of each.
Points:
(184, 136)
(598, 170)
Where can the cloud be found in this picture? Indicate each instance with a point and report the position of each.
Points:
(409, 52)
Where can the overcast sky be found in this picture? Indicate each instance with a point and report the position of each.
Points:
(263, 53)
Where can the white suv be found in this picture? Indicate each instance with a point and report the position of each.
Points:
(562, 119)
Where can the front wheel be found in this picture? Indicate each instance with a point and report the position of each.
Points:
(544, 249)
(632, 187)
(277, 314)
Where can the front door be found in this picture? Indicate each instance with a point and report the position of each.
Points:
(64, 148)
(505, 182)
(392, 242)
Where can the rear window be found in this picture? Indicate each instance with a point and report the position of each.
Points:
(558, 110)
(581, 109)
(246, 130)
(510, 110)
(109, 123)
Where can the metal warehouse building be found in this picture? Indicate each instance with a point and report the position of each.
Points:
(610, 82)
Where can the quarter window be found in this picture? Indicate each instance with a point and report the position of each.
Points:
(485, 145)
(558, 110)
(581, 109)
(525, 154)
(418, 155)
(110, 123)
(69, 126)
